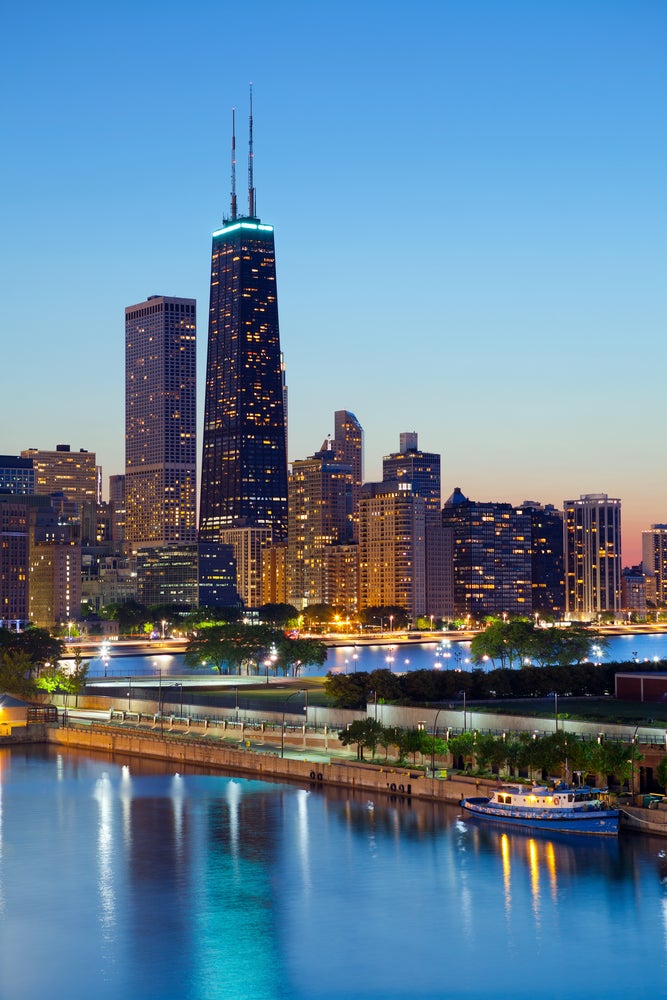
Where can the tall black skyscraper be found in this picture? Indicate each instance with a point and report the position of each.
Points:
(244, 460)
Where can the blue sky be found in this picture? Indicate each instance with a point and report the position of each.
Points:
(469, 202)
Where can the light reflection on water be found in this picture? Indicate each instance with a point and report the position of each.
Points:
(345, 659)
(141, 882)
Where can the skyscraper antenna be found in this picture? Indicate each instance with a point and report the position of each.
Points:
(233, 163)
(251, 158)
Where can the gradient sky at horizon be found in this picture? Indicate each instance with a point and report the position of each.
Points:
(470, 212)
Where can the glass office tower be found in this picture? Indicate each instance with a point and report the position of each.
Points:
(244, 459)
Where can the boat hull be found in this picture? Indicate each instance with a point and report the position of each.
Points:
(594, 823)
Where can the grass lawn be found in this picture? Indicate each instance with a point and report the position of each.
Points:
(268, 697)
(581, 709)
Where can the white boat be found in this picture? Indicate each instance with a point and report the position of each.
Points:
(561, 809)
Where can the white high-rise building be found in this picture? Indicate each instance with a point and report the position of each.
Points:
(592, 548)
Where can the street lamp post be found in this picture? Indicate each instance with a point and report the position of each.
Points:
(282, 727)
(632, 763)
(435, 729)
(159, 705)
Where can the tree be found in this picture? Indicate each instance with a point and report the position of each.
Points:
(410, 741)
(318, 614)
(389, 737)
(295, 653)
(278, 615)
(210, 616)
(518, 639)
(130, 615)
(433, 746)
(506, 641)
(384, 616)
(486, 751)
(49, 679)
(615, 759)
(73, 681)
(385, 684)
(229, 648)
(363, 732)
(463, 746)
(661, 773)
(40, 646)
(16, 673)
(348, 690)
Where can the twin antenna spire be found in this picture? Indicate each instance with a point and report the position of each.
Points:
(251, 162)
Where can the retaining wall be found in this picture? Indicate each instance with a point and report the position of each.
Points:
(203, 752)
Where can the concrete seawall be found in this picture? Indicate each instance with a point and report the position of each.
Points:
(205, 753)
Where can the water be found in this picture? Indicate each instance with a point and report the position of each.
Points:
(401, 657)
(127, 879)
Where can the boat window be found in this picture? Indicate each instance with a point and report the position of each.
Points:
(569, 798)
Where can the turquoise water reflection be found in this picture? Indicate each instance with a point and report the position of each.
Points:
(125, 879)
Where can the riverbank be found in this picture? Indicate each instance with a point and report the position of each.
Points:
(207, 751)
(140, 646)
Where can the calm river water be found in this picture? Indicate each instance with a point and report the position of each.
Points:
(125, 879)
(401, 657)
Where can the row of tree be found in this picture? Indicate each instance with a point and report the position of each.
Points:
(520, 642)
(252, 649)
(356, 690)
(555, 754)
(136, 618)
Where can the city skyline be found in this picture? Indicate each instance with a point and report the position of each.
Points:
(519, 332)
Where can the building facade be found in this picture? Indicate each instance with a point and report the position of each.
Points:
(654, 563)
(634, 592)
(592, 551)
(54, 591)
(274, 573)
(117, 515)
(160, 421)
(392, 570)
(319, 491)
(200, 574)
(14, 560)
(420, 468)
(348, 444)
(492, 558)
(439, 553)
(75, 474)
(247, 545)
(546, 558)
(17, 475)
